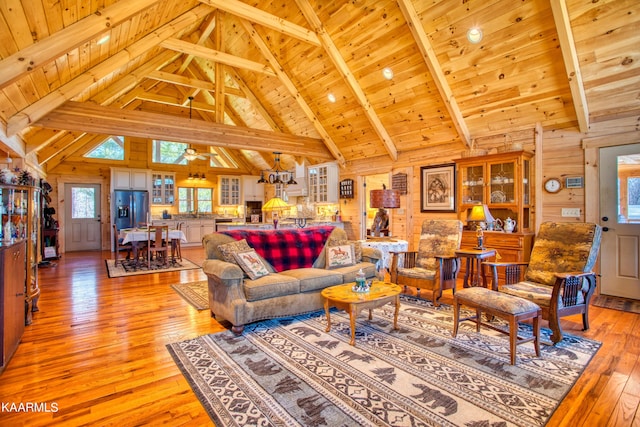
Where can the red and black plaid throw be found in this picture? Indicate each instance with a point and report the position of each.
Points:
(286, 249)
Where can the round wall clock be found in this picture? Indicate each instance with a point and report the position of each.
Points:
(552, 185)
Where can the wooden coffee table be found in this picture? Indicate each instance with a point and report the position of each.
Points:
(343, 298)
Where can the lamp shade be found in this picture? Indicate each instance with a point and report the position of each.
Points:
(275, 204)
(480, 213)
(384, 198)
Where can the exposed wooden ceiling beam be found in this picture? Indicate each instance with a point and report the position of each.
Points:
(255, 101)
(94, 75)
(36, 55)
(104, 120)
(120, 87)
(261, 17)
(219, 69)
(174, 101)
(206, 32)
(191, 82)
(571, 62)
(215, 55)
(339, 62)
(430, 58)
(288, 83)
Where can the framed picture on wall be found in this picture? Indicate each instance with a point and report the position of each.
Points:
(438, 188)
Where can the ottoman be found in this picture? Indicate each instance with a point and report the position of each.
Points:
(507, 307)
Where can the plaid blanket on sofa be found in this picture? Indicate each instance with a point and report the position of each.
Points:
(286, 249)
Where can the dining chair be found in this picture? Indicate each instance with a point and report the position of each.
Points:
(178, 249)
(118, 246)
(157, 244)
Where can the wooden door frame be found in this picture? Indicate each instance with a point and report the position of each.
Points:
(105, 197)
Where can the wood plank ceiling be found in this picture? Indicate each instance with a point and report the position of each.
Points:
(260, 73)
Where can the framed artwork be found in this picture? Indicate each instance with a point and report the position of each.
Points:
(438, 188)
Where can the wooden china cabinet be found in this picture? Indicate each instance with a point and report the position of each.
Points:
(504, 182)
(19, 240)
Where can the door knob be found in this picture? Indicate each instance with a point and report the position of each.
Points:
(605, 228)
(605, 218)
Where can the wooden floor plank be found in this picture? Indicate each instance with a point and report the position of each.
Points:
(97, 350)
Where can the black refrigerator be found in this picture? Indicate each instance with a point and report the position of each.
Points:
(131, 208)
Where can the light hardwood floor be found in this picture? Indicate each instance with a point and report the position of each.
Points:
(96, 351)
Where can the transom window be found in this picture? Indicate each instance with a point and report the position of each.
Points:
(111, 148)
(168, 152)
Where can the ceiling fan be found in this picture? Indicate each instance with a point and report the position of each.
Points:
(191, 154)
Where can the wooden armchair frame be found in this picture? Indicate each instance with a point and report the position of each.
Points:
(445, 278)
(566, 290)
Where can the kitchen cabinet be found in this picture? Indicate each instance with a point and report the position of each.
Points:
(129, 179)
(196, 229)
(163, 185)
(251, 190)
(323, 183)
(229, 190)
(13, 258)
(503, 182)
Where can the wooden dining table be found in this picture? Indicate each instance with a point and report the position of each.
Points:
(136, 236)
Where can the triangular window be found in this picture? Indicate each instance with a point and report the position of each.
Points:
(111, 148)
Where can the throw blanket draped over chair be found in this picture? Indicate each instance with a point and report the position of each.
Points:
(559, 276)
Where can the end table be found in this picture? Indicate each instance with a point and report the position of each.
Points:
(474, 265)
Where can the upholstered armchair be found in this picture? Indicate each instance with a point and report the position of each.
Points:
(434, 266)
(558, 276)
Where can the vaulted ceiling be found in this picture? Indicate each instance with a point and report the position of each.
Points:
(255, 76)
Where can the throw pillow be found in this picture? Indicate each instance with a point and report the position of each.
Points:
(340, 256)
(251, 264)
(357, 247)
(229, 249)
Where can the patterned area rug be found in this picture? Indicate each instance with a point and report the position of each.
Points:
(195, 293)
(291, 372)
(621, 304)
(129, 268)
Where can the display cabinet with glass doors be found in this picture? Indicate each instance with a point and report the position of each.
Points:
(20, 209)
(503, 182)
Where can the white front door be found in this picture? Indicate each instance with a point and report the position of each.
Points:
(82, 225)
(620, 219)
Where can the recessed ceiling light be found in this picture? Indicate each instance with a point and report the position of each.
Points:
(387, 73)
(331, 97)
(104, 39)
(474, 35)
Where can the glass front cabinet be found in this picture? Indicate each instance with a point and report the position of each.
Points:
(501, 181)
(20, 209)
(162, 188)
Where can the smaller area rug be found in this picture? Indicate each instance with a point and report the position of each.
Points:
(621, 304)
(130, 269)
(195, 293)
(291, 372)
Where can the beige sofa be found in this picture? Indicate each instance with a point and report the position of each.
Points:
(235, 297)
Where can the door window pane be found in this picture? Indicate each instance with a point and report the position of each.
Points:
(83, 203)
